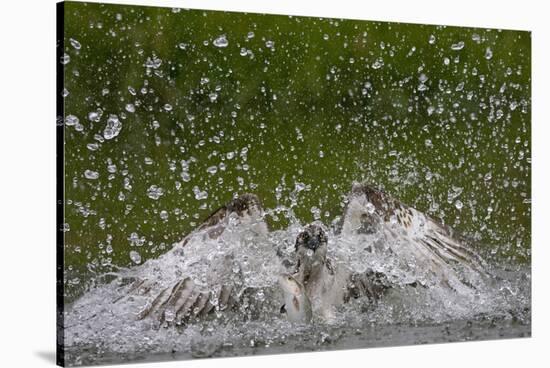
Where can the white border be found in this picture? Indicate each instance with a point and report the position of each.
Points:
(27, 179)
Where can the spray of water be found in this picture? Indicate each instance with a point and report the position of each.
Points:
(105, 321)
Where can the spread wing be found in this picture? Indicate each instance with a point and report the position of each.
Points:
(410, 233)
(184, 301)
(222, 288)
(246, 208)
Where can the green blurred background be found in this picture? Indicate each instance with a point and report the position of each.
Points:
(290, 108)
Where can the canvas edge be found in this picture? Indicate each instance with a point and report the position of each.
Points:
(60, 252)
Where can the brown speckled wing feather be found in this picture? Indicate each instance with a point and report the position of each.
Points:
(431, 241)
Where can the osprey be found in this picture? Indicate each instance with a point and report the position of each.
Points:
(313, 284)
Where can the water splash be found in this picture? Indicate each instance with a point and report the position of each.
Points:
(247, 259)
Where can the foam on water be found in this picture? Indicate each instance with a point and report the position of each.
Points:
(96, 326)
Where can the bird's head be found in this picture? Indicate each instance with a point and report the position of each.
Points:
(311, 251)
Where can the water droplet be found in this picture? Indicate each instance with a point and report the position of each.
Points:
(378, 63)
(201, 195)
(168, 107)
(92, 175)
(488, 53)
(431, 41)
(185, 176)
(164, 215)
(370, 208)
(458, 205)
(71, 120)
(316, 212)
(135, 257)
(212, 170)
(250, 35)
(75, 43)
(169, 314)
(130, 107)
(457, 46)
(153, 62)
(65, 59)
(95, 116)
(221, 41)
(65, 92)
(269, 44)
(213, 96)
(92, 146)
(112, 128)
(155, 192)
